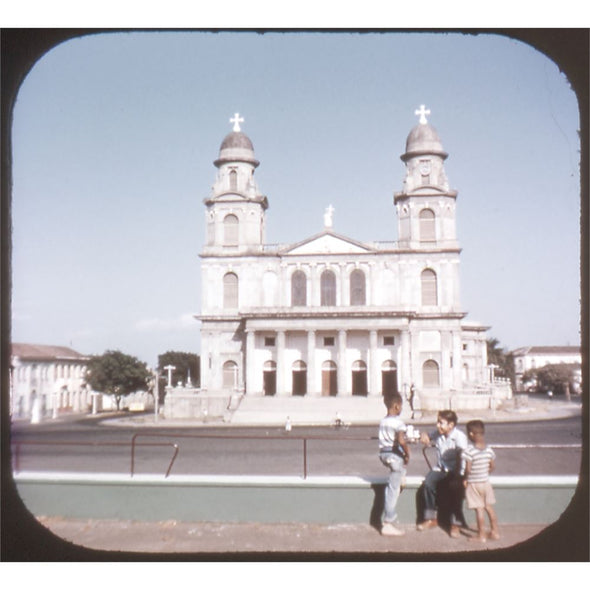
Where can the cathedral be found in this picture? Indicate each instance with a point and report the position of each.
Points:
(330, 316)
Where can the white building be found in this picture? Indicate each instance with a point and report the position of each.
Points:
(534, 357)
(47, 379)
(330, 315)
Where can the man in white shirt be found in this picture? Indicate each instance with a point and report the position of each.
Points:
(449, 443)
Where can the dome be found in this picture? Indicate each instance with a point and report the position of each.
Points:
(423, 139)
(236, 147)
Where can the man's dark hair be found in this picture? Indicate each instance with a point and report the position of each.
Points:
(449, 416)
(476, 426)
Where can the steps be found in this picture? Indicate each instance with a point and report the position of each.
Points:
(301, 410)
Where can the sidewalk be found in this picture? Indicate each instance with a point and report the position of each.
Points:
(294, 538)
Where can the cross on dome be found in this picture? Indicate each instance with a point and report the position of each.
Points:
(236, 120)
(422, 112)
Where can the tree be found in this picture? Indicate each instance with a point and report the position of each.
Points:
(186, 365)
(117, 374)
(503, 360)
(560, 378)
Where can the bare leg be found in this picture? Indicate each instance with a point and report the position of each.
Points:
(480, 517)
(493, 522)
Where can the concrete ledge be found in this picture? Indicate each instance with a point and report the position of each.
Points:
(266, 499)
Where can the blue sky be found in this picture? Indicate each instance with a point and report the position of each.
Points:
(114, 140)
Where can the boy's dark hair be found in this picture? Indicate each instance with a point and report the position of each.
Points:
(449, 416)
(393, 398)
(475, 426)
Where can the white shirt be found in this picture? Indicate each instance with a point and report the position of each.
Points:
(388, 429)
(449, 448)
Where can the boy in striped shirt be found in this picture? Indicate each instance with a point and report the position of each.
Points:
(479, 462)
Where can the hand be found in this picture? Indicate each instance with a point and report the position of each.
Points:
(465, 483)
(424, 439)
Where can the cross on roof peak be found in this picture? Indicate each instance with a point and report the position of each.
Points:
(422, 112)
(236, 120)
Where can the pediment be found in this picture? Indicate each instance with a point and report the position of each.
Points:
(327, 243)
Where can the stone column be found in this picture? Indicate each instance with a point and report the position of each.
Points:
(406, 356)
(312, 378)
(457, 361)
(281, 367)
(343, 390)
(249, 362)
(205, 360)
(374, 382)
(445, 360)
(344, 287)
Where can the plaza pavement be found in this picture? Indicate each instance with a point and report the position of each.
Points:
(304, 541)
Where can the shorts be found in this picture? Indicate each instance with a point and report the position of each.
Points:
(479, 495)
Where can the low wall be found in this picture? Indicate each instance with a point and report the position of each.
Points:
(182, 402)
(267, 499)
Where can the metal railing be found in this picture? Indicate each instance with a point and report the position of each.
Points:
(133, 444)
(18, 444)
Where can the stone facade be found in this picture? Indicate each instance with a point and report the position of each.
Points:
(46, 380)
(329, 315)
(534, 357)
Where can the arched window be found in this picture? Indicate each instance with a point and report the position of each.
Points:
(298, 288)
(429, 287)
(388, 378)
(359, 378)
(299, 378)
(430, 374)
(233, 180)
(231, 227)
(357, 287)
(329, 378)
(328, 288)
(427, 226)
(230, 375)
(230, 291)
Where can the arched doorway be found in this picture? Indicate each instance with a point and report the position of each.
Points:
(430, 374)
(329, 378)
(359, 378)
(230, 375)
(269, 374)
(388, 378)
(299, 378)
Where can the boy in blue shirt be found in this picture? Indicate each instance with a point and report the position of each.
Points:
(394, 454)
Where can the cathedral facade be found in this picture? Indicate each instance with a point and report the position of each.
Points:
(329, 315)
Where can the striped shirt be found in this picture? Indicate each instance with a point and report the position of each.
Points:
(480, 460)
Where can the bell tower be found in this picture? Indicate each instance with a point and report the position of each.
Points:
(235, 214)
(426, 205)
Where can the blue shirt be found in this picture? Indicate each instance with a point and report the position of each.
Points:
(449, 449)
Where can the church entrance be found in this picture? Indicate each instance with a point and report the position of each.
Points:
(269, 378)
(329, 378)
(299, 378)
(359, 378)
(388, 378)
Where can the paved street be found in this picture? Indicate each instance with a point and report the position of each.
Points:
(550, 447)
